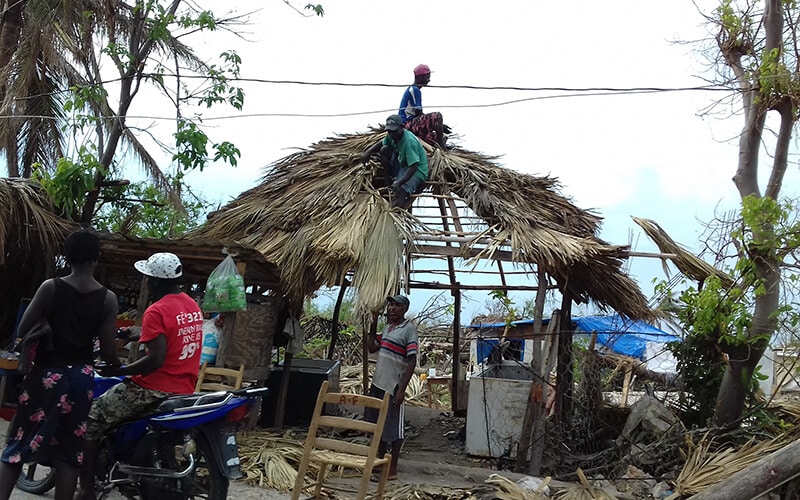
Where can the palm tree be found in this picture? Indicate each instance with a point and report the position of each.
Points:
(46, 50)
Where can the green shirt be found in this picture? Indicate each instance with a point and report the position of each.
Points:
(410, 151)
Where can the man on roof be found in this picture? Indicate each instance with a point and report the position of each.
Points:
(428, 127)
(404, 160)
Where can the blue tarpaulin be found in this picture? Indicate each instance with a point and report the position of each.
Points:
(621, 335)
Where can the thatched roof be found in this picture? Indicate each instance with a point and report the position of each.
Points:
(28, 219)
(320, 213)
(199, 257)
(31, 234)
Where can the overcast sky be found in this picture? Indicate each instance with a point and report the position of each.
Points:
(650, 155)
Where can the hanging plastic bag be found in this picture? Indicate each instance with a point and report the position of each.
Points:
(225, 289)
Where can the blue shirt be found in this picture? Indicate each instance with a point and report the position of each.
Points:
(411, 103)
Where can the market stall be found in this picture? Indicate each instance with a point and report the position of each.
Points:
(246, 337)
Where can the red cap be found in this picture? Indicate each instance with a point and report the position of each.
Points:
(422, 69)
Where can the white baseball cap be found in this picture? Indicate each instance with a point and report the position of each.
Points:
(162, 265)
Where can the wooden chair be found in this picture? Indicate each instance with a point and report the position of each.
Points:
(212, 378)
(326, 451)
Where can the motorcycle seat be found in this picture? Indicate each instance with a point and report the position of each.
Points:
(188, 400)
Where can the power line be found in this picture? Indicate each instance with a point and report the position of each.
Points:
(578, 93)
(712, 87)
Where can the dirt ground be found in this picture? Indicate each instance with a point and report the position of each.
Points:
(432, 455)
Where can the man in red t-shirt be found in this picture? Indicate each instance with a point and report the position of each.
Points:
(172, 331)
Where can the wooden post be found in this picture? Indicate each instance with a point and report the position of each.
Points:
(141, 305)
(456, 381)
(626, 385)
(455, 291)
(373, 329)
(549, 352)
(283, 390)
(564, 375)
(337, 309)
(535, 396)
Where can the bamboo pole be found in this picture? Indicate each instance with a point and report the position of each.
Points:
(337, 309)
(536, 392)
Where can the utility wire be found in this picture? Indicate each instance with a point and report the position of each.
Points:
(372, 112)
(709, 87)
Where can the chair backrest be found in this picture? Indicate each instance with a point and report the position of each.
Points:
(344, 423)
(212, 378)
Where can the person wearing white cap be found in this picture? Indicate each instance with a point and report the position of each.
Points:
(172, 331)
(397, 358)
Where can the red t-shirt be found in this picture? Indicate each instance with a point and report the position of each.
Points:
(178, 317)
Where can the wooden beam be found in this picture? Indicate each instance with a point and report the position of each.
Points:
(444, 286)
(425, 251)
(470, 271)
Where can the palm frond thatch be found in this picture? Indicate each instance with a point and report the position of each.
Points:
(320, 213)
(30, 236)
(706, 466)
(28, 220)
(686, 262)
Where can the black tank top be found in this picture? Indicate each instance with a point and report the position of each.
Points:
(75, 320)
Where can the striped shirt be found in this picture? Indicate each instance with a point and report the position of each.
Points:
(397, 345)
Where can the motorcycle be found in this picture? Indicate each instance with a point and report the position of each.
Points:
(185, 449)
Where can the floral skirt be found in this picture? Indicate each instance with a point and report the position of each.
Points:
(50, 421)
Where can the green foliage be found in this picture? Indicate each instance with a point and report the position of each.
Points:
(71, 181)
(142, 210)
(220, 89)
(718, 319)
(701, 367)
(316, 8)
(192, 148)
(511, 313)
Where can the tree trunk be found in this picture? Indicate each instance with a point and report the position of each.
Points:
(10, 28)
(758, 478)
(738, 376)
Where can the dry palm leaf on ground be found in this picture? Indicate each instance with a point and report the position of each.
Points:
(501, 488)
(425, 492)
(705, 468)
(271, 459)
(583, 491)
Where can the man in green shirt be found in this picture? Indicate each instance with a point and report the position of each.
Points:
(403, 158)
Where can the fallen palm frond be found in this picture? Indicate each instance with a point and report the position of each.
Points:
(789, 411)
(502, 488)
(271, 459)
(686, 262)
(583, 491)
(705, 468)
(425, 492)
(321, 213)
(417, 391)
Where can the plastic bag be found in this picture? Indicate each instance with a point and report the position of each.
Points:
(225, 289)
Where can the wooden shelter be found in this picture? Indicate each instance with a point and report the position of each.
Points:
(32, 235)
(322, 215)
